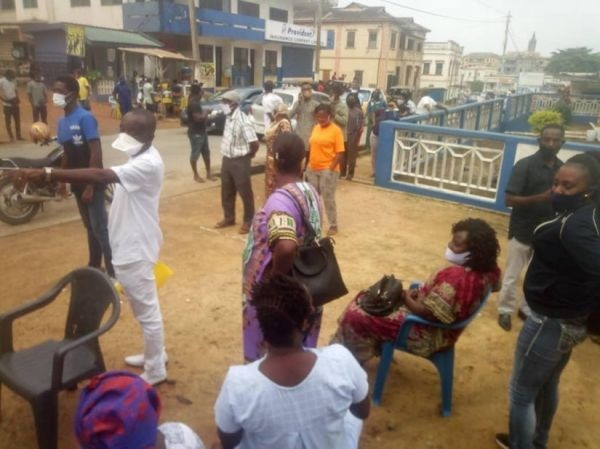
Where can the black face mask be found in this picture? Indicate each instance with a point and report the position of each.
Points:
(567, 203)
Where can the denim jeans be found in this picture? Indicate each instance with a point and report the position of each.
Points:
(95, 221)
(543, 350)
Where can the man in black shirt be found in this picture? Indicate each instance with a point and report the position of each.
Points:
(528, 193)
(196, 119)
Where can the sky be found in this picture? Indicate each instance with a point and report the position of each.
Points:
(557, 24)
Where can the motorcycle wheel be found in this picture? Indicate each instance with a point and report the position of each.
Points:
(14, 212)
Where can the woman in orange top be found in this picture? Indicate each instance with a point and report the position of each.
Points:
(326, 151)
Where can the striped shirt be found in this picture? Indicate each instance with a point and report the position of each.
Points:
(237, 134)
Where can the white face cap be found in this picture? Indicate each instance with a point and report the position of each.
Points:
(232, 96)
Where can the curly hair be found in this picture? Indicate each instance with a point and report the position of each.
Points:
(282, 307)
(482, 243)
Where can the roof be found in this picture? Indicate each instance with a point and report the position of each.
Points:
(357, 12)
(120, 37)
(482, 55)
(158, 52)
(97, 35)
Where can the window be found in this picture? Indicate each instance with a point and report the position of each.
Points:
(402, 45)
(7, 4)
(426, 68)
(420, 47)
(216, 5)
(372, 39)
(408, 75)
(411, 45)
(206, 53)
(416, 80)
(248, 9)
(358, 77)
(80, 3)
(280, 15)
(30, 4)
(393, 41)
(330, 38)
(350, 38)
(270, 63)
(439, 68)
(111, 2)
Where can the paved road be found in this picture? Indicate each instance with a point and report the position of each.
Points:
(174, 147)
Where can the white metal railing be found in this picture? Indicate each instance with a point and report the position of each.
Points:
(446, 165)
(579, 105)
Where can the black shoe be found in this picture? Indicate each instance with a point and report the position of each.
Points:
(522, 315)
(504, 321)
(502, 440)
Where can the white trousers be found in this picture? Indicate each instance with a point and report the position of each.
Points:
(138, 281)
(517, 259)
(352, 429)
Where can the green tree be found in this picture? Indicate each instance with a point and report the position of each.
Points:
(579, 59)
(476, 86)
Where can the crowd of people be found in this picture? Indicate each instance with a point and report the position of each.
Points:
(290, 394)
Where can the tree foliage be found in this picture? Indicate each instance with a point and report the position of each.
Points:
(579, 59)
(539, 119)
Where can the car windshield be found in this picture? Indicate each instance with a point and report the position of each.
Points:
(287, 98)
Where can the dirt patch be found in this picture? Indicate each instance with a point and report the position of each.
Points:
(380, 232)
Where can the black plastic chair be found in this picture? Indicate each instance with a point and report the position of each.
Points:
(38, 373)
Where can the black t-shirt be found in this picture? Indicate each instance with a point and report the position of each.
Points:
(530, 176)
(563, 278)
(195, 127)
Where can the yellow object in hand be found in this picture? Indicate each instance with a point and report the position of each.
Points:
(162, 273)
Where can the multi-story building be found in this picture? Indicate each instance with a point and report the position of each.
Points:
(441, 67)
(241, 42)
(369, 45)
(524, 61)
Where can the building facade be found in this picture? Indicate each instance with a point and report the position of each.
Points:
(441, 67)
(370, 46)
(241, 42)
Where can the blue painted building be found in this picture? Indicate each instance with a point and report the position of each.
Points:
(245, 42)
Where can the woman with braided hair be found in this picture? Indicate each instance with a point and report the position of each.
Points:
(293, 397)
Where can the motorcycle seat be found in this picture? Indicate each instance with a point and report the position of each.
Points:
(23, 162)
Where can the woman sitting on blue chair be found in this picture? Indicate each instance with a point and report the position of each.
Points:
(451, 295)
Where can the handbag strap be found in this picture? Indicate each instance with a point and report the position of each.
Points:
(310, 231)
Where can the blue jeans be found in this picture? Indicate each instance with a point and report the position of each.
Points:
(95, 220)
(543, 350)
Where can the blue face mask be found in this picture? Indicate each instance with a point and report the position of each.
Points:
(566, 203)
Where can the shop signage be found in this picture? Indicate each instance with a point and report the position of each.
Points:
(292, 34)
(75, 40)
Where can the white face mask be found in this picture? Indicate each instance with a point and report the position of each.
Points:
(457, 258)
(59, 100)
(226, 108)
(127, 144)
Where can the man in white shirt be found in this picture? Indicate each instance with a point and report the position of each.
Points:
(427, 105)
(147, 89)
(133, 228)
(270, 101)
(238, 146)
(10, 103)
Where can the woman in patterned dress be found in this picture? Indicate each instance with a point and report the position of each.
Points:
(277, 231)
(451, 294)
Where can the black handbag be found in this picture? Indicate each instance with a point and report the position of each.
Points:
(383, 297)
(316, 267)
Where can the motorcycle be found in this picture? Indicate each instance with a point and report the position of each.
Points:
(20, 206)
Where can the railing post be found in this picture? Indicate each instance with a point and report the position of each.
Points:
(508, 162)
(384, 162)
(478, 117)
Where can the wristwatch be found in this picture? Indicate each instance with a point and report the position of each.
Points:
(48, 172)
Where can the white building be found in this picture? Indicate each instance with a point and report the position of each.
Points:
(441, 67)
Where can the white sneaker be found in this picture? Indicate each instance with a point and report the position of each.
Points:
(154, 378)
(137, 360)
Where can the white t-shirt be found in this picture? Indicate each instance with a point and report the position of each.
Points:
(426, 104)
(312, 415)
(179, 436)
(270, 102)
(147, 92)
(133, 223)
(8, 89)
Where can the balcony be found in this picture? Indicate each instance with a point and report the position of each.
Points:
(172, 18)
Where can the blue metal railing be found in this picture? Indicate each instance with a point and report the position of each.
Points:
(465, 166)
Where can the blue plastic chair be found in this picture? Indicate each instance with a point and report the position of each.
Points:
(443, 360)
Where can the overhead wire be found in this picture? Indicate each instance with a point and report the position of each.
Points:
(400, 5)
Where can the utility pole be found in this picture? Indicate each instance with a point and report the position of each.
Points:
(508, 17)
(318, 17)
(194, 36)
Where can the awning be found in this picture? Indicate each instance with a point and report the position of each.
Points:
(157, 52)
(105, 36)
